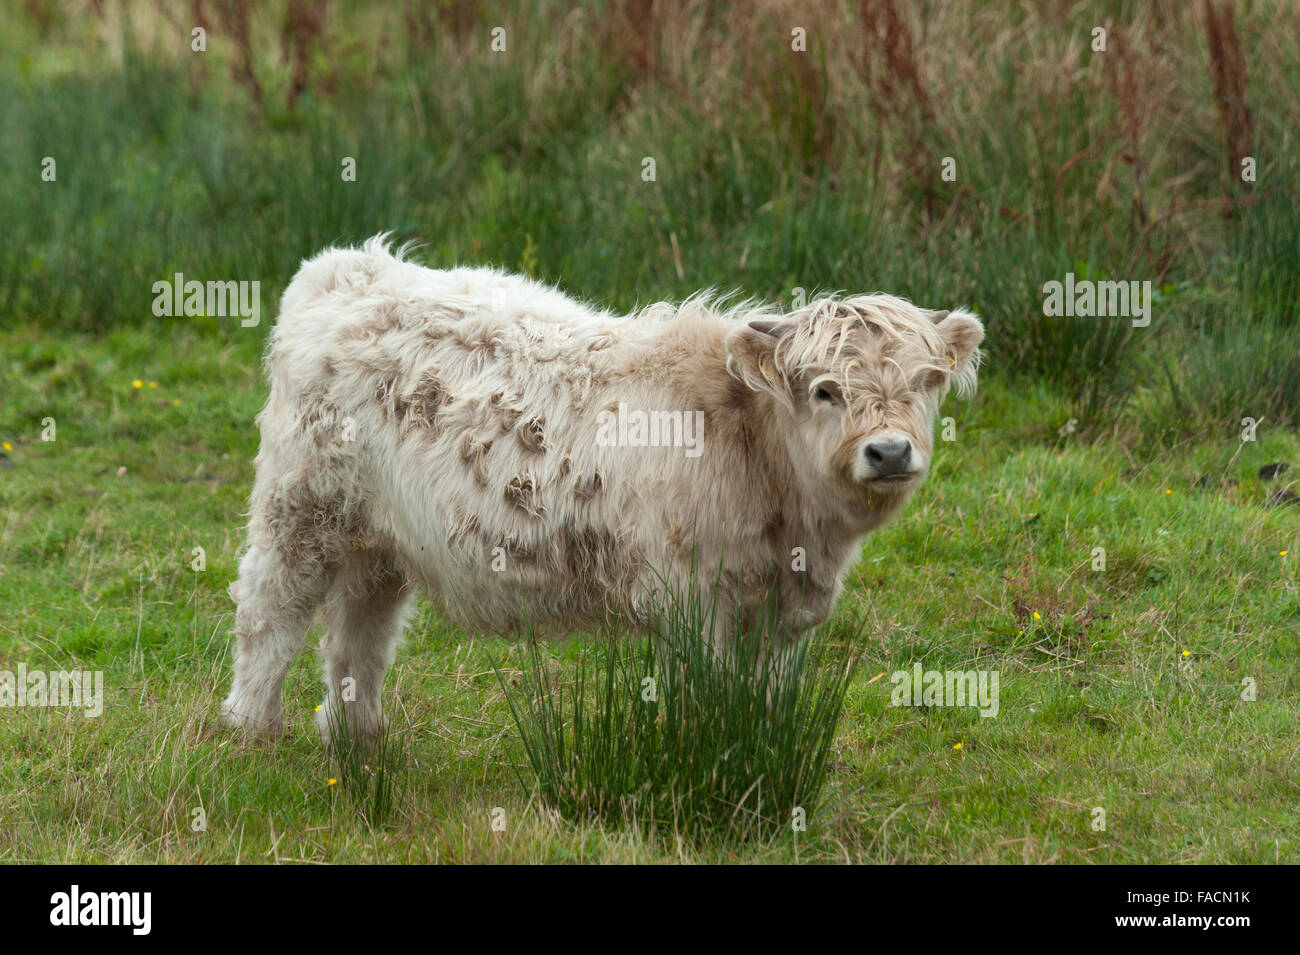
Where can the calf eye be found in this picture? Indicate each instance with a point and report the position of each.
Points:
(828, 394)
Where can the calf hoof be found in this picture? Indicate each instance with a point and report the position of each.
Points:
(262, 725)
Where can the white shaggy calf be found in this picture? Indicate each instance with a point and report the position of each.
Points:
(520, 455)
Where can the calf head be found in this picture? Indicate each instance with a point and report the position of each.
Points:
(857, 384)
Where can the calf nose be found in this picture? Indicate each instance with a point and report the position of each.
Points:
(889, 457)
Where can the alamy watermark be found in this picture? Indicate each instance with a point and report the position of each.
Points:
(919, 687)
(81, 689)
(651, 429)
(214, 299)
(1085, 298)
(130, 909)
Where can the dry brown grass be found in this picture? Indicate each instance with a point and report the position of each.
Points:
(1231, 77)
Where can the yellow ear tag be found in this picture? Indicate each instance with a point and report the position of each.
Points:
(952, 362)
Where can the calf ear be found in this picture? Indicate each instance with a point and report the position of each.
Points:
(962, 333)
(751, 355)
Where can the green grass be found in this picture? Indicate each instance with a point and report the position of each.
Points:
(1121, 689)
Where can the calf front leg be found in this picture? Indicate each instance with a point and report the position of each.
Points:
(275, 604)
(366, 614)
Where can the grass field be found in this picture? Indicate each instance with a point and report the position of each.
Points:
(1127, 689)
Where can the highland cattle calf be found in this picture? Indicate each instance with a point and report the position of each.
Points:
(522, 456)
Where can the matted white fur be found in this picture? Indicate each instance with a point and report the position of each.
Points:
(441, 429)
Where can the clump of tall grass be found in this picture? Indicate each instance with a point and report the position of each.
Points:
(369, 774)
(1239, 351)
(677, 735)
(1266, 250)
(1230, 370)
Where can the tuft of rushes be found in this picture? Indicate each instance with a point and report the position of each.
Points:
(674, 734)
(368, 776)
